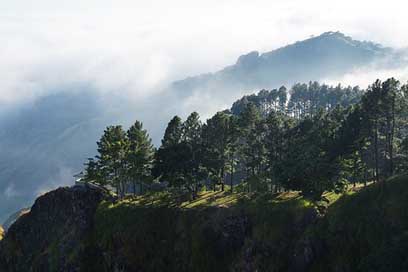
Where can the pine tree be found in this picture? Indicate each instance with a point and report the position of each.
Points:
(140, 155)
(192, 141)
(216, 134)
(112, 148)
(171, 157)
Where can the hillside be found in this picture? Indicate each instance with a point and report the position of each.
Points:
(362, 230)
(40, 155)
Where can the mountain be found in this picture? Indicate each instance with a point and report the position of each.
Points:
(44, 142)
(329, 55)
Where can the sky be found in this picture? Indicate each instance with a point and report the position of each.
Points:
(138, 47)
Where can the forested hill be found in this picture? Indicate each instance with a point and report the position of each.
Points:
(326, 56)
(45, 142)
(307, 179)
(312, 138)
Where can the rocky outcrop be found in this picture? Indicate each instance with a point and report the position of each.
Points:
(73, 229)
(50, 236)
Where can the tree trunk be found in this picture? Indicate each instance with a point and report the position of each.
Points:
(392, 137)
(377, 178)
(222, 178)
(232, 177)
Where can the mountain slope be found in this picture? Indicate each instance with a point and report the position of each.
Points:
(331, 54)
(80, 229)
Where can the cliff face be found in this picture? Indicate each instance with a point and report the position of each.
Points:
(241, 237)
(81, 229)
(50, 236)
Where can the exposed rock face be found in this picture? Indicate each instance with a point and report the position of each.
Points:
(50, 236)
(69, 229)
(249, 60)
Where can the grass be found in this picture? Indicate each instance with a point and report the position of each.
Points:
(1, 233)
(165, 231)
(225, 199)
(363, 229)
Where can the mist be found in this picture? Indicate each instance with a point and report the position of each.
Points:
(138, 48)
(117, 61)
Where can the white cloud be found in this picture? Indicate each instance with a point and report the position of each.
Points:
(366, 76)
(188, 33)
(136, 47)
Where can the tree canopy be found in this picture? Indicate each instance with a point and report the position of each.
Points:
(312, 138)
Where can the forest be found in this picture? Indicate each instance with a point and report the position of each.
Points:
(311, 138)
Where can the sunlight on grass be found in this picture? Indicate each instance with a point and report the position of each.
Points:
(226, 198)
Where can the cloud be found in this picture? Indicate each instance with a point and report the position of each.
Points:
(132, 49)
(10, 191)
(365, 76)
(139, 46)
(64, 177)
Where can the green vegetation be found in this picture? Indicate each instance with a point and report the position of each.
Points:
(270, 186)
(363, 229)
(318, 140)
(366, 231)
(153, 233)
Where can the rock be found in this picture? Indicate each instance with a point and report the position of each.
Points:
(308, 248)
(49, 237)
(249, 60)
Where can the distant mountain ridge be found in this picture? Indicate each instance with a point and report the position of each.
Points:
(327, 55)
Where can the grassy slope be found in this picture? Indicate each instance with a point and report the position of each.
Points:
(1, 232)
(362, 230)
(367, 231)
(157, 233)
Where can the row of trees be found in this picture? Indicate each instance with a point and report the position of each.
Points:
(301, 101)
(318, 140)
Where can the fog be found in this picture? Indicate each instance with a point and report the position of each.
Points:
(126, 53)
(137, 47)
